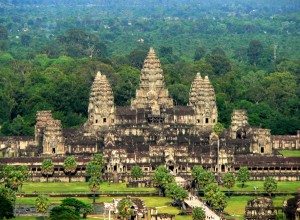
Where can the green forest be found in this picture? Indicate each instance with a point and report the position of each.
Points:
(50, 51)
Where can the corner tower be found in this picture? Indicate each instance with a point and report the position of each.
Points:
(152, 92)
(203, 100)
(101, 110)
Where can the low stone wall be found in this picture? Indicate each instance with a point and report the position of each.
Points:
(162, 216)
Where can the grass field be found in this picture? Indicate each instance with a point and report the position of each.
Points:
(289, 187)
(74, 187)
(290, 153)
(161, 203)
(235, 208)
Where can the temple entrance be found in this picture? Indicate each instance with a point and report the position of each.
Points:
(53, 150)
(222, 168)
(171, 167)
(115, 167)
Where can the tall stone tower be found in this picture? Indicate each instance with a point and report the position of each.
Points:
(101, 110)
(53, 142)
(152, 92)
(203, 100)
(239, 118)
(42, 117)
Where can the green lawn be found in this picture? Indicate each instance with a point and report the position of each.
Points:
(41, 218)
(161, 203)
(236, 204)
(290, 153)
(235, 208)
(289, 187)
(74, 187)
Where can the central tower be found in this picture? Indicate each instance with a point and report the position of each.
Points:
(152, 92)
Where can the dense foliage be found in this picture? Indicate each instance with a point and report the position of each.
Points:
(50, 52)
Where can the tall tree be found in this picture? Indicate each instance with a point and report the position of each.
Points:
(70, 166)
(7, 209)
(162, 177)
(93, 169)
(199, 53)
(205, 179)
(270, 185)
(63, 212)
(210, 193)
(198, 214)
(9, 194)
(94, 185)
(95, 166)
(243, 175)
(15, 179)
(137, 172)
(254, 51)
(25, 174)
(228, 181)
(177, 193)
(219, 201)
(42, 204)
(47, 168)
(124, 208)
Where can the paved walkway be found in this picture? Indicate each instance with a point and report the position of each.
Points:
(194, 201)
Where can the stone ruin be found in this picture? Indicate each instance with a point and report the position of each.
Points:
(260, 209)
(154, 131)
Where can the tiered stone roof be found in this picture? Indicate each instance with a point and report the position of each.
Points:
(152, 86)
(53, 138)
(101, 100)
(202, 95)
(196, 90)
(42, 117)
(203, 100)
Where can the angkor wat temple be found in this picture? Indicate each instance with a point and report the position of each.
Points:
(154, 131)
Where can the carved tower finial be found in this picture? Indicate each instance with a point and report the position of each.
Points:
(101, 108)
(203, 100)
(152, 86)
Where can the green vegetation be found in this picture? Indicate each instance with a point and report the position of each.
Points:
(50, 55)
(70, 166)
(137, 172)
(42, 204)
(236, 204)
(270, 185)
(243, 175)
(62, 187)
(47, 168)
(289, 187)
(290, 153)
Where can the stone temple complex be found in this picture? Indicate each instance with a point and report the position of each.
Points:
(154, 131)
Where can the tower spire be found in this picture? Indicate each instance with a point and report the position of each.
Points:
(101, 104)
(203, 100)
(152, 86)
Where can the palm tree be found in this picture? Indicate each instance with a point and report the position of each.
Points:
(124, 208)
(70, 166)
(47, 167)
(42, 203)
(94, 185)
(198, 214)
